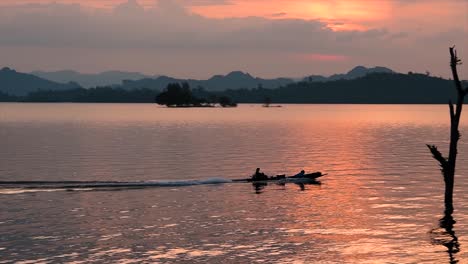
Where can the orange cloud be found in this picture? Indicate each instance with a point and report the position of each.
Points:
(339, 14)
(349, 14)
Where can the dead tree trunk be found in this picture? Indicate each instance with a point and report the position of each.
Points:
(448, 164)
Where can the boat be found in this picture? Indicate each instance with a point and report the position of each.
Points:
(279, 178)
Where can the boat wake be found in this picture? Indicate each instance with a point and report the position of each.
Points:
(18, 187)
(13, 187)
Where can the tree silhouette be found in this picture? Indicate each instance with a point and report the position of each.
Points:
(445, 233)
(176, 95)
(225, 101)
(448, 164)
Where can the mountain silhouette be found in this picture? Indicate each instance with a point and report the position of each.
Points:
(356, 72)
(373, 88)
(377, 85)
(240, 80)
(108, 78)
(233, 80)
(20, 84)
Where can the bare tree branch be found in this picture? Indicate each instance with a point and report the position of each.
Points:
(438, 156)
(448, 164)
(454, 61)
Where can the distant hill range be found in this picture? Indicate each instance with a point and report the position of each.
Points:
(108, 78)
(241, 80)
(356, 72)
(360, 85)
(20, 84)
(233, 80)
(374, 88)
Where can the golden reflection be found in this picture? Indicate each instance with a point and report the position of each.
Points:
(339, 206)
(445, 236)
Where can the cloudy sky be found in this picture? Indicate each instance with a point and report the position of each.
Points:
(199, 38)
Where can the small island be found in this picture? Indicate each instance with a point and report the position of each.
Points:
(177, 95)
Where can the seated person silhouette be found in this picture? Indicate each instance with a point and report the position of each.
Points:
(299, 175)
(259, 176)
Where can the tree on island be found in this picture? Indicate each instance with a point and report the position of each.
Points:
(177, 95)
(225, 101)
(448, 164)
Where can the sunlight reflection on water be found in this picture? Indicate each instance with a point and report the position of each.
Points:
(378, 204)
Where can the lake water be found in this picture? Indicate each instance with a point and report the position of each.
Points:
(380, 202)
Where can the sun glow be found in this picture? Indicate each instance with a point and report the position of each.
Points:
(338, 15)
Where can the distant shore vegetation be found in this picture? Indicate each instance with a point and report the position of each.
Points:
(375, 88)
(81, 95)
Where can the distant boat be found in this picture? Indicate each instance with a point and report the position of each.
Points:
(310, 177)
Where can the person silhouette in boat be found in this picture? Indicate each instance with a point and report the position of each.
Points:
(299, 175)
(259, 176)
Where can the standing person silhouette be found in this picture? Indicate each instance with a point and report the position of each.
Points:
(259, 176)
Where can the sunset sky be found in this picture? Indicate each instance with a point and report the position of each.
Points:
(199, 38)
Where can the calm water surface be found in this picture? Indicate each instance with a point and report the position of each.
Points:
(380, 202)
